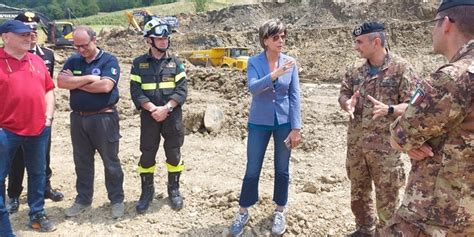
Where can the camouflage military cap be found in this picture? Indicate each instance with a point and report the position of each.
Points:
(368, 27)
(446, 4)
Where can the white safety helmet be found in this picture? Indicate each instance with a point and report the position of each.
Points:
(156, 28)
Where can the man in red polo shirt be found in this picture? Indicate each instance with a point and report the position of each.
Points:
(26, 114)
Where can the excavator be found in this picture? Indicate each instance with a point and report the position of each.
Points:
(58, 33)
(137, 24)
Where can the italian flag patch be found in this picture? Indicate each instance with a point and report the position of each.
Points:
(418, 97)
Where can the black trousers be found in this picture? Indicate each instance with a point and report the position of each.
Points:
(17, 172)
(172, 130)
(90, 133)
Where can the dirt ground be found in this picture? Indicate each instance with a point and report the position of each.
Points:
(320, 39)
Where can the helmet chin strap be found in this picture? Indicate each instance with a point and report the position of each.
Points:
(162, 50)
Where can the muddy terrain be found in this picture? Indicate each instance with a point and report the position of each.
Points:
(319, 37)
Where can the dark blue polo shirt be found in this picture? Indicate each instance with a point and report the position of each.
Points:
(104, 65)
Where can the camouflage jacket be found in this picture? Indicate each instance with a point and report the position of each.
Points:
(394, 84)
(441, 113)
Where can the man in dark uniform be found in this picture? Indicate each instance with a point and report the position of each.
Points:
(158, 87)
(92, 76)
(15, 178)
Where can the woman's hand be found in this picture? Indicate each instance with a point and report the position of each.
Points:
(294, 138)
(283, 69)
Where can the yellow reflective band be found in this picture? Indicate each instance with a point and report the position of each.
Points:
(75, 72)
(180, 76)
(165, 85)
(149, 170)
(149, 86)
(174, 169)
(136, 78)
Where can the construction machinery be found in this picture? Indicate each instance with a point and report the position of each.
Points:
(58, 33)
(137, 24)
(224, 57)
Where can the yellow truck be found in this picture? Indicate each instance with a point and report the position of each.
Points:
(225, 57)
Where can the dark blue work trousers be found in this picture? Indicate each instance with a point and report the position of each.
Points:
(90, 133)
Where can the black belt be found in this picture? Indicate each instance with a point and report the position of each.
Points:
(109, 109)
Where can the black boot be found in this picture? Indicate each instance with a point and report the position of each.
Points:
(52, 194)
(173, 191)
(13, 205)
(148, 193)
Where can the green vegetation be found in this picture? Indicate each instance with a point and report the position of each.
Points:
(200, 5)
(118, 18)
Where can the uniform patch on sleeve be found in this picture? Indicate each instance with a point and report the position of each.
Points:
(114, 71)
(418, 97)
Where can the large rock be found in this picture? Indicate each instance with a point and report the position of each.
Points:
(213, 118)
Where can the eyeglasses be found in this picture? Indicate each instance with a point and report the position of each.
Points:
(277, 37)
(83, 45)
(441, 19)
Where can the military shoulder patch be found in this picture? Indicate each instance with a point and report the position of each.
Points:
(418, 97)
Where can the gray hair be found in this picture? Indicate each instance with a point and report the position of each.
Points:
(270, 28)
(87, 29)
(381, 35)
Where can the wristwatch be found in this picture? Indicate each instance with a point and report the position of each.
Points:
(169, 107)
(390, 109)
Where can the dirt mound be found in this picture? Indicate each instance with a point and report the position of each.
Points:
(320, 38)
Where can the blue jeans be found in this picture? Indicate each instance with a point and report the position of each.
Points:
(35, 162)
(256, 146)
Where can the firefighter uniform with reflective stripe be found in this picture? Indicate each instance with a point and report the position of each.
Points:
(158, 81)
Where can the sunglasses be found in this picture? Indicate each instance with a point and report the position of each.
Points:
(277, 37)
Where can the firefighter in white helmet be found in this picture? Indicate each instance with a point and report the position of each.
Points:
(158, 88)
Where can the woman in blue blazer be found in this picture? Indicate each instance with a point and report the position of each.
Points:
(275, 110)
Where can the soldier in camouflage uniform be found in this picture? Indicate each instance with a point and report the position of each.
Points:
(374, 92)
(437, 131)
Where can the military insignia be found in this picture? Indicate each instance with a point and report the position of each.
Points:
(144, 65)
(30, 15)
(95, 72)
(171, 64)
(114, 71)
(358, 30)
(418, 97)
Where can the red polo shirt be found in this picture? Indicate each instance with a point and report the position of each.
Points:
(23, 85)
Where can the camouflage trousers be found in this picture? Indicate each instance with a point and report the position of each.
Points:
(398, 227)
(430, 210)
(383, 168)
